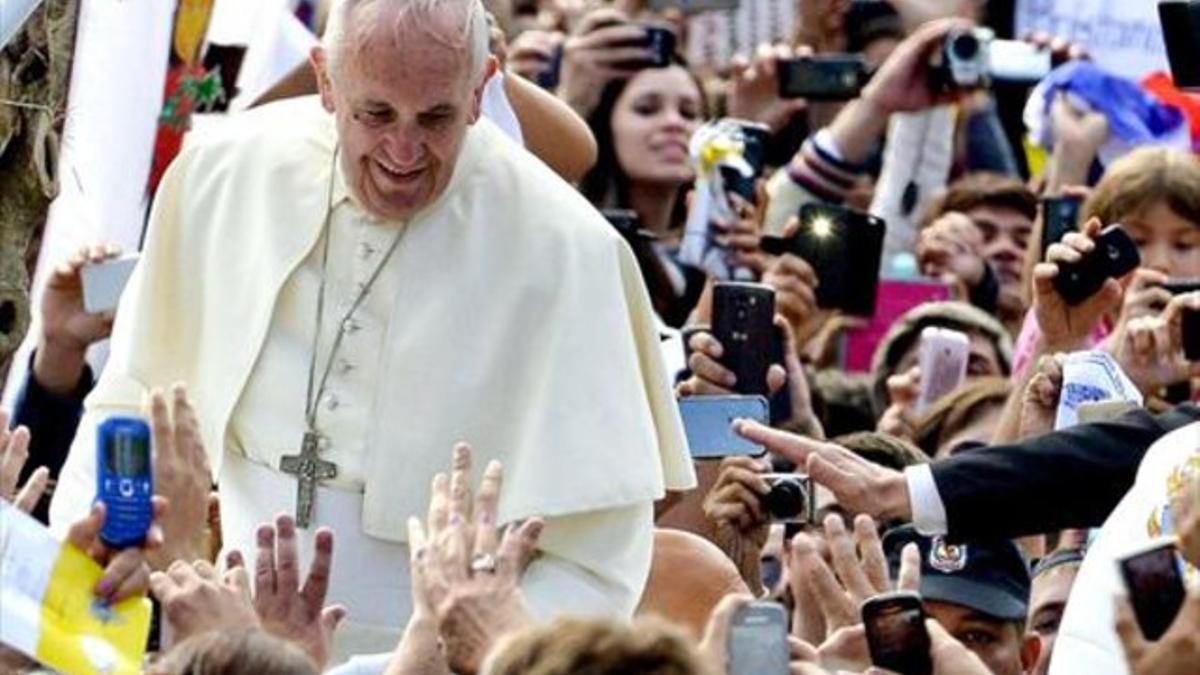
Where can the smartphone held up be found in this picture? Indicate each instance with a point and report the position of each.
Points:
(124, 480)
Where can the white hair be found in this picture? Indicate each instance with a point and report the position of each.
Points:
(418, 13)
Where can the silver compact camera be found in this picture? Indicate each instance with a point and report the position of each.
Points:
(791, 498)
(964, 61)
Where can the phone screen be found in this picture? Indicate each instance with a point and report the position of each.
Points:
(1155, 589)
(898, 639)
(127, 456)
(758, 642)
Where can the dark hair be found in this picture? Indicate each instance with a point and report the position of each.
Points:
(575, 646)
(984, 189)
(607, 184)
(234, 652)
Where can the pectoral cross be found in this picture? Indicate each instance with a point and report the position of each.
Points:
(309, 469)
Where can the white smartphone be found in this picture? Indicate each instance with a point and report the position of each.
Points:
(1017, 61)
(104, 282)
(943, 361)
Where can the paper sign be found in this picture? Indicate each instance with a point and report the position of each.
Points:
(1091, 376)
(48, 611)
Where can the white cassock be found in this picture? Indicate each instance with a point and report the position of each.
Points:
(511, 316)
(1087, 643)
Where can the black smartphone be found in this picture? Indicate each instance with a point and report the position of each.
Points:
(661, 42)
(754, 138)
(1155, 586)
(1114, 256)
(1060, 215)
(1179, 20)
(896, 634)
(548, 77)
(743, 321)
(758, 642)
(844, 248)
(828, 77)
(1191, 334)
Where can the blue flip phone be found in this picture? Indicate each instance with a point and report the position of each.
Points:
(124, 480)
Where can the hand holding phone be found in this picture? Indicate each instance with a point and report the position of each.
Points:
(896, 633)
(1115, 254)
(758, 640)
(943, 356)
(844, 247)
(743, 321)
(1155, 586)
(124, 480)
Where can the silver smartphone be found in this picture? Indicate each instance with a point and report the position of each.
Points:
(943, 360)
(758, 643)
(708, 424)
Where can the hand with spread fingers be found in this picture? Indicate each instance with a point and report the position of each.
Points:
(14, 452)
(126, 571)
(1175, 653)
(465, 568)
(182, 476)
(860, 486)
(858, 572)
(196, 598)
(284, 607)
(1065, 328)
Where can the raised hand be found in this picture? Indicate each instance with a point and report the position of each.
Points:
(1150, 348)
(126, 572)
(14, 452)
(284, 607)
(196, 599)
(67, 329)
(182, 476)
(1065, 328)
(1175, 653)
(465, 569)
(860, 486)
(900, 418)
(604, 47)
(1039, 402)
(740, 522)
(950, 249)
(754, 87)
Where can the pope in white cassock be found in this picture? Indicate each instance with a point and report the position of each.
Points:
(351, 284)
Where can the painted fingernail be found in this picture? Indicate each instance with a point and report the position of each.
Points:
(104, 588)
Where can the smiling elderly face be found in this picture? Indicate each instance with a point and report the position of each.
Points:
(400, 78)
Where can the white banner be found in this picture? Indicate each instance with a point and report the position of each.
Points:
(1123, 36)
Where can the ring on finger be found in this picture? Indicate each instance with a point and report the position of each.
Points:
(484, 562)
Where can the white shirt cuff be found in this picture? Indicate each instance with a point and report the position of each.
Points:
(928, 511)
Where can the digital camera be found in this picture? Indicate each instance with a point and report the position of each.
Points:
(791, 498)
(964, 61)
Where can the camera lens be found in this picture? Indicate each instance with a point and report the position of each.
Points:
(1114, 253)
(964, 47)
(786, 499)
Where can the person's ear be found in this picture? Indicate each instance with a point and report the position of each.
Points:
(490, 67)
(318, 58)
(1031, 649)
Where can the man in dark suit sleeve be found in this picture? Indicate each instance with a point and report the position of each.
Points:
(1068, 479)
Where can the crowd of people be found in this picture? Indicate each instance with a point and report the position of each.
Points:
(414, 333)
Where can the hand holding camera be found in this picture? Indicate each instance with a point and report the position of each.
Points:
(536, 55)
(740, 520)
(606, 47)
(1152, 350)
(1067, 319)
